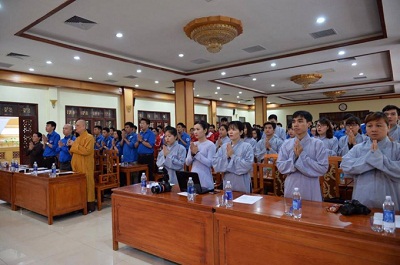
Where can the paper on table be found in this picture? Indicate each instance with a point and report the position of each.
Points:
(247, 199)
(184, 193)
(378, 217)
(65, 172)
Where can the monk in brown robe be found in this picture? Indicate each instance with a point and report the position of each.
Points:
(82, 150)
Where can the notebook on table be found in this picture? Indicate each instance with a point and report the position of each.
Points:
(183, 177)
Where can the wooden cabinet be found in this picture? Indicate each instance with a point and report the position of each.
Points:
(93, 116)
(156, 118)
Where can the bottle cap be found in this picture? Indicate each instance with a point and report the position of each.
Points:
(388, 198)
(228, 182)
(296, 189)
(190, 178)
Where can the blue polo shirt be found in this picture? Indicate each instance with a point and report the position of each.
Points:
(147, 136)
(128, 150)
(98, 140)
(185, 137)
(63, 152)
(52, 139)
(340, 133)
(108, 142)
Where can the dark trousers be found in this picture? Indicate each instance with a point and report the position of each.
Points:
(65, 166)
(147, 159)
(49, 160)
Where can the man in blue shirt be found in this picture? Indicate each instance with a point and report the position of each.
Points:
(106, 144)
(50, 143)
(98, 138)
(183, 137)
(63, 149)
(145, 143)
(129, 138)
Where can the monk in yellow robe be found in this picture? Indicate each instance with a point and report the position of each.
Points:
(82, 150)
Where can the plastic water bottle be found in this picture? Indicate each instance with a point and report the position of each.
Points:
(16, 166)
(122, 160)
(53, 170)
(342, 178)
(143, 185)
(388, 216)
(296, 203)
(228, 194)
(35, 169)
(12, 167)
(190, 190)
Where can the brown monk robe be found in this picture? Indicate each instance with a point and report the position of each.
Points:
(82, 150)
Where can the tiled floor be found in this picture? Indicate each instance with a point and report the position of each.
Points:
(25, 238)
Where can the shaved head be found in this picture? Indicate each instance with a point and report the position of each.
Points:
(80, 126)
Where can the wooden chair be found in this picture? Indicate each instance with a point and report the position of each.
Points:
(258, 178)
(108, 179)
(276, 178)
(330, 181)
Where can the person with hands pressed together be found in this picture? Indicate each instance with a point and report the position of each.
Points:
(35, 150)
(98, 137)
(375, 165)
(128, 143)
(353, 136)
(223, 136)
(235, 159)
(145, 143)
(172, 155)
(201, 154)
(393, 114)
(270, 144)
(82, 150)
(63, 148)
(303, 159)
(50, 144)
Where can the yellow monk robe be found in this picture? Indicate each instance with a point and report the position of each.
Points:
(82, 151)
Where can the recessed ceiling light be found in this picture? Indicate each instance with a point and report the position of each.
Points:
(240, 92)
(181, 55)
(272, 85)
(238, 101)
(119, 35)
(273, 64)
(77, 57)
(173, 91)
(237, 96)
(218, 87)
(353, 64)
(220, 98)
(320, 20)
(90, 78)
(31, 69)
(223, 73)
(361, 74)
(49, 62)
(110, 73)
(341, 53)
(216, 93)
(269, 102)
(138, 71)
(136, 85)
(194, 88)
(197, 95)
(156, 82)
(254, 79)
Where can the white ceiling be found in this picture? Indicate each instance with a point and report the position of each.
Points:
(367, 30)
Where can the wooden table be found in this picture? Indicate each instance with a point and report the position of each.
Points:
(246, 234)
(183, 232)
(6, 186)
(133, 168)
(49, 196)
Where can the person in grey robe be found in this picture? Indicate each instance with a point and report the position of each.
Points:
(248, 136)
(375, 165)
(393, 114)
(201, 154)
(279, 131)
(270, 144)
(325, 134)
(172, 155)
(223, 136)
(353, 136)
(235, 159)
(304, 159)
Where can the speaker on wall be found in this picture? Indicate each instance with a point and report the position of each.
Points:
(234, 112)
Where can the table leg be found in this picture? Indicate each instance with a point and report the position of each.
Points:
(128, 178)
(50, 220)
(115, 245)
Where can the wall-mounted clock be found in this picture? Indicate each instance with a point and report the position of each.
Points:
(343, 106)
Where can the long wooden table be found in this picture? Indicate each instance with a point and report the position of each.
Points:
(6, 186)
(201, 233)
(49, 196)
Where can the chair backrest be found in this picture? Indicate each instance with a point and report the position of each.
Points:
(110, 164)
(257, 179)
(330, 180)
(97, 161)
(279, 179)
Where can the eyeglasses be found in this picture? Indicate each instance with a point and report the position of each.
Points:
(351, 125)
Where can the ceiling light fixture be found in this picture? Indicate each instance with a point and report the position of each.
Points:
(353, 64)
(240, 92)
(173, 91)
(320, 20)
(272, 85)
(49, 62)
(220, 98)
(110, 73)
(197, 95)
(305, 80)
(254, 79)
(334, 94)
(136, 85)
(90, 78)
(216, 93)
(223, 73)
(181, 55)
(77, 57)
(31, 69)
(213, 31)
(341, 53)
(138, 71)
(218, 87)
(156, 82)
(237, 96)
(119, 35)
(361, 74)
(273, 64)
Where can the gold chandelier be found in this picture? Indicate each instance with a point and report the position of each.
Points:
(214, 31)
(305, 80)
(334, 94)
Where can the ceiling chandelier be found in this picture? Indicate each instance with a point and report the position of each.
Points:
(305, 80)
(214, 31)
(334, 94)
